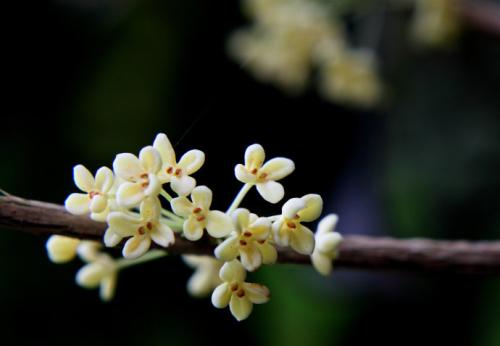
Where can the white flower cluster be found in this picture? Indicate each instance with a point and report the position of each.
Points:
(128, 199)
(290, 38)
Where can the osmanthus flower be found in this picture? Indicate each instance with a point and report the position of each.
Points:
(206, 275)
(199, 216)
(140, 175)
(95, 198)
(61, 249)
(264, 175)
(250, 241)
(102, 272)
(141, 228)
(235, 292)
(327, 242)
(288, 230)
(178, 173)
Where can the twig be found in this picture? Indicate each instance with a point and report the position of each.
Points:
(481, 14)
(361, 252)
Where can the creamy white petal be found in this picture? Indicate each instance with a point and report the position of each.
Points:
(280, 234)
(127, 166)
(232, 271)
(111, 238)
(108, 287)
(78, 203)
(202, 197)
(258, 294)
(150, 159)
(219, 224)
(221, 295)
(102, 216)
(268, 252)
(130, 195)
(228, 249)
(243, 175)
(90, 275)
(136, 247)
(271, 191)
(150, 209)
(162, 235)
(84, 180)
(278, 168)
(250, 257)
(181, 206)
(302, 240)
(98, 203)
(312, 209)
(254, 156)
(104, 179)
(292, 207)
(191, 161)
(61, 249)
(192, 229)
(241, 218)
(202, 282)
(154, 187)
(194, 261)
(327, 224)
(322, 263)
(260, 228)
(240, 307)
(183, 185)
(328, 242)
(123, 224)
(167, 153)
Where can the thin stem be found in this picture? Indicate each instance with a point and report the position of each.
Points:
(147, 257)
(273, 218)
(239, 197)
(171, 215)
(166, 195)
(174, 224)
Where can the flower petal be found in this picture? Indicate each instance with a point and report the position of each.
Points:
(191, 161)
(271, 191)
(322, 263)
(221, 296)
(136, 246)
(328, 242)
(240, 307)
(327, 224)
(227, 250)
(192, 229)
(78, 203)
(260, 228)
(129, 195)
(154, 186)
(104, 179)
(313, 207)
(243, 175)
(219, 224)
(162, 235)
(122, 224)
(257, 294)
(250, 257)
(183, 185)
(89, 251)
(292, 207)
(98, 203)
(108, 287)
(302, 240)
(111, 238)
(61, 249)
(202, 197)
(241, 218)
(181, 206)
(102, 216)
(150, 209)
(278, 168)
(280, 233)
(128, 167)
(84, 180)
(150, 159)
(167, 153)
(90, 275)
(254, 156)
(232, 271)
(268, 252)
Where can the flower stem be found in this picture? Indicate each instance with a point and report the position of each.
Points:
(239, 197)
(166, 195)
(171, 215)
(149, 256)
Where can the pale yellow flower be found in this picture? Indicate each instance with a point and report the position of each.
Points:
(327, 243)
(264, 175)
(199, 216)
(142, 228)
(235, 292)
(95, 198)
(250, 241)
(61, 249)
(102, 272)
(288, 230)
(178, 173)
(140, 175)
(206, 275)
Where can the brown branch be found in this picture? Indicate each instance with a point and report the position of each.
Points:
(360, 252)
(483, 15)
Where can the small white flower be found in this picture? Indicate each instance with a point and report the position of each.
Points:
(327, 242)
(95, 198)
(199, 216)
(61, 249)
(288, 230)
(140, 175)
(206, 275)
(264, 176)
(250, 241)
(178, 173)
(235, 292)
(141, 228)
(102, 271)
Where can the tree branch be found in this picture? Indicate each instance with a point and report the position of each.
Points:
(361, 252)
(483, 15)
